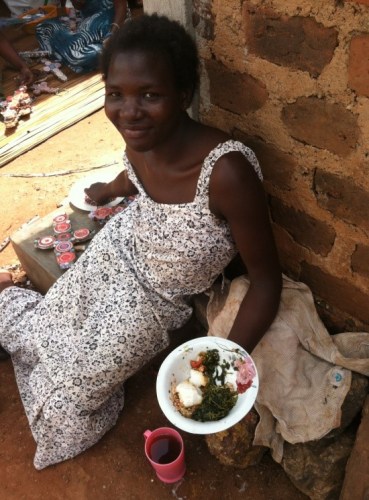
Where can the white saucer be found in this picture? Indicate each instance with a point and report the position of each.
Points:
(77, 193)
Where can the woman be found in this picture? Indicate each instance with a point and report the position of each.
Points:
(198, 202)
(80, 49)
(11, 56)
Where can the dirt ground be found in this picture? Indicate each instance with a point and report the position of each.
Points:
(116, 467)
(88, 144)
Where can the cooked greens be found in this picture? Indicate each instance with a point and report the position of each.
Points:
(218, 400)
(217, 403)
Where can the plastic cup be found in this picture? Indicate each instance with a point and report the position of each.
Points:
(164, 449)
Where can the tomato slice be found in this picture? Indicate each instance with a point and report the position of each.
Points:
(241, 388)
(196, 363)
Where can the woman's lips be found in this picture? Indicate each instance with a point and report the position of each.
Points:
(133, 133)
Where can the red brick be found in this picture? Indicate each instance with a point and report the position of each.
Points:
(305, 230)
(237, 92)
(337, 321)
(278, 167)
(358, 65)
(289, 251)
(322, 124)
(360, 260)
(364, 2)
(336, 292)
(342, 197)
(296, 42)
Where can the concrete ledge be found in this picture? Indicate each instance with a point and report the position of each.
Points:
(40, 265)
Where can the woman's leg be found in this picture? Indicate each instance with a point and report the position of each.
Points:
(5, 282)
(5, 279)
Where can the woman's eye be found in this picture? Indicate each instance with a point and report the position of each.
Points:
(113, 94)
(151, 96)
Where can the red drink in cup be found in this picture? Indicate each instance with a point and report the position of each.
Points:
(164, 450)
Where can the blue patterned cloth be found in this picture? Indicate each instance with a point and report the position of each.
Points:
(78, 50)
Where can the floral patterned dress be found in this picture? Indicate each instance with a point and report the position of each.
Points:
(108, 315)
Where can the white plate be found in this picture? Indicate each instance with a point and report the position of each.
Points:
(77, 193)
(176, 368)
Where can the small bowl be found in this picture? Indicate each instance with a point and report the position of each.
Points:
(176, 368)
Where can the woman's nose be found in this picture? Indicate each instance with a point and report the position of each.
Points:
(130, 109)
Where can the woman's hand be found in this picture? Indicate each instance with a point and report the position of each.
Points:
(26, 76)
(102, 192)
(11, 56)
(99, 193)
(78, 4)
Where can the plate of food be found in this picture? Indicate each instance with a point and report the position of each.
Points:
(78, 197)
(207, 385)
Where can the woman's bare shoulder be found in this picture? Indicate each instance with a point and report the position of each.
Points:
(234, 178)
(211, 137)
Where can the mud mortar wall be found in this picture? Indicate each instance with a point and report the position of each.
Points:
(291, 80)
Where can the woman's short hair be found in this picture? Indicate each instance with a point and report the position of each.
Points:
(159, 35)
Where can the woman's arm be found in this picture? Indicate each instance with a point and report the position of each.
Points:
(120, 14)
(237, 195)
(101, 192)
(11, 56)
(77, 4)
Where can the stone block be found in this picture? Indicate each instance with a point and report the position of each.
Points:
(234, 446)
(312, 233)
(237, 92)
(317, 468)
(297, 42)
(322, 124)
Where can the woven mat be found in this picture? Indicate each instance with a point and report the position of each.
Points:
(78, 97)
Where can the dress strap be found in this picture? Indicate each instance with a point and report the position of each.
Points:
(132, 175)
(209, 162)
(218, 152)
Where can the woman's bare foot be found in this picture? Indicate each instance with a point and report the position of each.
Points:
(5, 279)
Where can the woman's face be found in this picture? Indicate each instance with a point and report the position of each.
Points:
(141, 99)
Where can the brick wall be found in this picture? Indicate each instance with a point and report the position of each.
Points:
(291, 80)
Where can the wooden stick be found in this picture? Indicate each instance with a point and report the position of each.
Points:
(62, 172)
(81, 96)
